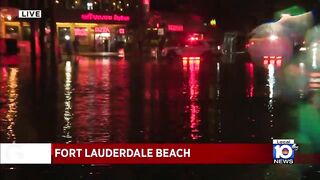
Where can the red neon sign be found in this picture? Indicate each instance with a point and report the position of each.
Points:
(80, 32)
(146, 2)
(122, 31)
(175, 28)
(101, 30)
(99, 17)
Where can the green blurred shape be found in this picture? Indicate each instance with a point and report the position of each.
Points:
(292, 11)
(309, 126)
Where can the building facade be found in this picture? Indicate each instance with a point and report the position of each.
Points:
(98, 25)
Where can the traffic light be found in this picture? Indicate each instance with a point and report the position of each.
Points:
(213, 22)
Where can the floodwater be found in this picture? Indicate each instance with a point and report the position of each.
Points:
(107, 100)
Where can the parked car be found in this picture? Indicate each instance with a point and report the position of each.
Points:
(190, 49)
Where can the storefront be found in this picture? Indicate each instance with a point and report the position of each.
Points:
(14, 34)
(94, 32)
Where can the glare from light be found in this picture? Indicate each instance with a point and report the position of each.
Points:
(9, 18)
(105, 35)
(89, 6)
(57, 2)
(301, 65)
(303, 49)
(273, 37)
(314, 58)
(67, 37)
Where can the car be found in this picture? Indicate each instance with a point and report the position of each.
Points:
(191, 49)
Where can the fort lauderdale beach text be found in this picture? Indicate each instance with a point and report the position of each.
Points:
(122, 153)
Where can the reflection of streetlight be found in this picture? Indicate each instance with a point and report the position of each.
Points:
(273, 37)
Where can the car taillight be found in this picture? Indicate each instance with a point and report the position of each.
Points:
(274, 60)
(121, 52)
(191, 58)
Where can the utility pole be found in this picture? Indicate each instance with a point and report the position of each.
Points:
(42, 34)
(33, 29)
(53, 32)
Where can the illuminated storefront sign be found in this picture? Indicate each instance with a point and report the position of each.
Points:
(122, 31)
(80, 31)
(98, 17)
(101, 30)
(146, 3)
(175, 28)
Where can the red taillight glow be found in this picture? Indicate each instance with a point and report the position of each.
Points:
(121, 53)
(279, 62)
(191, 58)
(194, 39)
(273, 60)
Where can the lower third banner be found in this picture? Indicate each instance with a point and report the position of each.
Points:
(161, 154)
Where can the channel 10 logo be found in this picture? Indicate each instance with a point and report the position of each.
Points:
(283, 151)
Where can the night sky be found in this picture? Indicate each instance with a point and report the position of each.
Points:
(232, 13)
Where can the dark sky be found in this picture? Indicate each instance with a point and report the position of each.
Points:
(232, 13)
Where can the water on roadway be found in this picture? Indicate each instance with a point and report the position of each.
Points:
(109, 100)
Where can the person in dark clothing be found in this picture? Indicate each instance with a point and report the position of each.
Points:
(162, 43)
(106, 45)
(76, 44)
(68, 48)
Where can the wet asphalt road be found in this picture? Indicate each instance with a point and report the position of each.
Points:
(145, 101)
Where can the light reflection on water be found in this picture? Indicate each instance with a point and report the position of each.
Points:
(191, 69)
(271, 80)
(250, 80)
(107, 100)
(68, 114)
(92, 101)
(271, 84)
(10, 90)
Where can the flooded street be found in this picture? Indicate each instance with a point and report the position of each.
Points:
(106, 100)
(120, 101)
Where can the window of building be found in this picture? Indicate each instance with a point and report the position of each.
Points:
(64, 34)
(12, 32)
